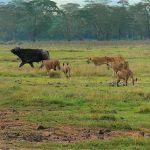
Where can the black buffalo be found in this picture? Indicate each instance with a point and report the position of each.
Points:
(30, 55)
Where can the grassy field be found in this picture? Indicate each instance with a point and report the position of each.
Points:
(83, 112)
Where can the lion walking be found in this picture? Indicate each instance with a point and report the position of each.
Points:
(51, 64)
(67, 70)
(116, 63)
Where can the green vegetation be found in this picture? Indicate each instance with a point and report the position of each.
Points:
(122, 144)
(85, 100)
(35, 20)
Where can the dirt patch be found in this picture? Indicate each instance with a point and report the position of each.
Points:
(70, 134)
(76, 134)
(32, 137)
(57, 134)
(12, 128)
(8, 119)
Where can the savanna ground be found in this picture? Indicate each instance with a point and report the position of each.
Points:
(84, 112)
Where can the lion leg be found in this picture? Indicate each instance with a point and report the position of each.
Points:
(118, 82)
(41, 65)
(108, 66)
(55, 67)
(133, 81)
(69, 74)
(47, 71)
(126, 82)
(66, 74)
(113, 74)
(59, 68)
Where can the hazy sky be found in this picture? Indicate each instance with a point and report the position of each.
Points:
(59, 2)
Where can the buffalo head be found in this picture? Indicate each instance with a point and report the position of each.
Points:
(16, 50)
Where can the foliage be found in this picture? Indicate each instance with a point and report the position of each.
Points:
(98, 19)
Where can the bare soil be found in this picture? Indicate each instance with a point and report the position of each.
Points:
(13, 129)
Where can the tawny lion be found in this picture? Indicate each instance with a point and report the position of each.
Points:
(116, 63)
(124, 75)
(51, 64)
(97, 60)
(67, 70)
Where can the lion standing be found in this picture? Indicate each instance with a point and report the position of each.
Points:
(124, 74)
(67, 70)
(51, 64)
(116, 63)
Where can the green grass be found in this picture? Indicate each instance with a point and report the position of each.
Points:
(85, 100)
(119, 144)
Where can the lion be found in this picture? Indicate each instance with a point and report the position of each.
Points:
(51, 64)
(105, 60)
(67, 70)
(116, 63)
(116, 66)
(115, 59)
(97, 60)
(124, 75)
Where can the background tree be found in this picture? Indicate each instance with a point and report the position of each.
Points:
(69, 9)
(39, 14)
(98, 19)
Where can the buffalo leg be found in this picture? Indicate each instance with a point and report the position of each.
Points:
(22, 63)
(31, 64)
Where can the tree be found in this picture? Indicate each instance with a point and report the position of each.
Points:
(99, 19)
(39, 15)
(9, 16)
(69, 9)
(146, 7)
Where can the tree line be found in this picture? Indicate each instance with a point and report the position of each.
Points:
(96, 20)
